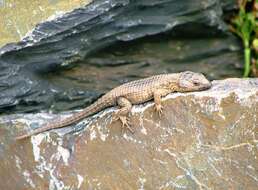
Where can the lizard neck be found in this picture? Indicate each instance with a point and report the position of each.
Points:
(171, 83)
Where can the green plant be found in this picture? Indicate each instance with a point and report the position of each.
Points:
(255, 58)
(244, 26)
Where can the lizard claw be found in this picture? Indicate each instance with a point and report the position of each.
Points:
(126, 124)
(115, 117)
(159, 109)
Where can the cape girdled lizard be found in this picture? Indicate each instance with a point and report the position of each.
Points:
(132, 93)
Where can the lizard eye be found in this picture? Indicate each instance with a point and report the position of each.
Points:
(196, 83)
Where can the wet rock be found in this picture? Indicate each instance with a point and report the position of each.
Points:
(204, 140)
(56, 67)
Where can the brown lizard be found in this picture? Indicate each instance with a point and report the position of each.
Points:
(132, 93)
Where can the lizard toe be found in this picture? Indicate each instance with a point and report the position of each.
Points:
(126, 124)
(159, 109)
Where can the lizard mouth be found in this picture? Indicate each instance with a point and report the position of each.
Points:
(206, 86)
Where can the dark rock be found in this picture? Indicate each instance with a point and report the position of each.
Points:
(34, 73)
(204, 140)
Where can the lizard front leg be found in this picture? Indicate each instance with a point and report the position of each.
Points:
(122, 114)
(158, 94)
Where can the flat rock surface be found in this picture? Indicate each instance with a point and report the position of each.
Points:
(204, 140)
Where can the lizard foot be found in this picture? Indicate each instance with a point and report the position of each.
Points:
(125, 124)
(159, 109)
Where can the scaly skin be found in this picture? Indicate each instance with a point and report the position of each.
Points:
(132, 93)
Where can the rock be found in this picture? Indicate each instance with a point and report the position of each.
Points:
(34, 72)
(204, 140)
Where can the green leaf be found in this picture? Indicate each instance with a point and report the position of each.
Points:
(255, 43)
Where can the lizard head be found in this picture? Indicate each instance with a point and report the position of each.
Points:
(190, 81)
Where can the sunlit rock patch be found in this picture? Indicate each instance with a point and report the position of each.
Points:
(204, 140)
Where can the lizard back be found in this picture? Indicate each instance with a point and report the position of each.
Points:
(140, 91)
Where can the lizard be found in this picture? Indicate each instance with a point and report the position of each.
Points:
(132, 93)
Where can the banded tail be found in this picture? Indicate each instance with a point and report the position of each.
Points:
(97, 106)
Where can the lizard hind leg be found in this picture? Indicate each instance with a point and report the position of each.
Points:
(122, 114)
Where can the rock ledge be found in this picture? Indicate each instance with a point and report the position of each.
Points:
(204, 140)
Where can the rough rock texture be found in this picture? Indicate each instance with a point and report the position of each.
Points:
(17, 18)
(27, 85)
(204, 140)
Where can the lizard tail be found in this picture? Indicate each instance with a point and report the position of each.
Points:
(97, 106)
